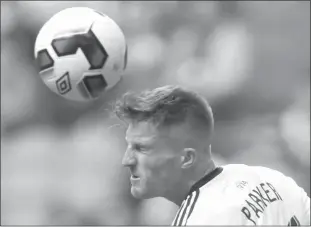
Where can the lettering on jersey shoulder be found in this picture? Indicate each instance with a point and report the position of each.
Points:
(241, 184)
(256, 202)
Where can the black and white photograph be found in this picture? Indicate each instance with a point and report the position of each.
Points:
(155, 113)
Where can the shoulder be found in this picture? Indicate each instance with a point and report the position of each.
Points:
(220, 201)
(229, 198)
(221, 213)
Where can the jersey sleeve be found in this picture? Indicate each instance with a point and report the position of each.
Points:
(300, 203)
(304, 215)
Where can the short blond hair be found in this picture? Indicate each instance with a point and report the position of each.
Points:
(166, 106)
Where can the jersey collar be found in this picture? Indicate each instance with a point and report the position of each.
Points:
(208, 177)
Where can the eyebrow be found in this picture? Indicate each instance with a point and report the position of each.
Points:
(141, 140)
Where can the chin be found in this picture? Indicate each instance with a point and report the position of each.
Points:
(139, 193)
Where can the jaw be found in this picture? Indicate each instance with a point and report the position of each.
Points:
(142, 191)
(177, 191)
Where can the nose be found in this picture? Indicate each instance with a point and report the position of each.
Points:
(128, 158)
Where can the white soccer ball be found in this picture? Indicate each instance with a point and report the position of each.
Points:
(80, 53)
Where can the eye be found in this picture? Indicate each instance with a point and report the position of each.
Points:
(139, 148)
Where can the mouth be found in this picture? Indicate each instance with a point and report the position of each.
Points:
(134, 177)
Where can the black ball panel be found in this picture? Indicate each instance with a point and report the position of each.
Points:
(44, 60)
(92, 86)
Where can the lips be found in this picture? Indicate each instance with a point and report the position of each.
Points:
(134, 176)
(135, 179)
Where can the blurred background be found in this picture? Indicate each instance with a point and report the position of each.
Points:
(61, 160)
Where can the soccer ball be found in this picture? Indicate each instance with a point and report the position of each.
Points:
(80, 53)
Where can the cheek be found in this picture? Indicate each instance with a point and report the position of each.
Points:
(160, 167)
(148, 166)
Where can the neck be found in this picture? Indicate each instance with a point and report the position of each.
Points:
(177, 196)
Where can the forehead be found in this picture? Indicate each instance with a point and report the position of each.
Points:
(147, 132)
(142, 132)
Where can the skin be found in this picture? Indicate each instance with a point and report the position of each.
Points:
(166, 161)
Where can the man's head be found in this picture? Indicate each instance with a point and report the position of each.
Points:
(169, 132)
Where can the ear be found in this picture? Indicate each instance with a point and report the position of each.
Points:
(188, 157)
